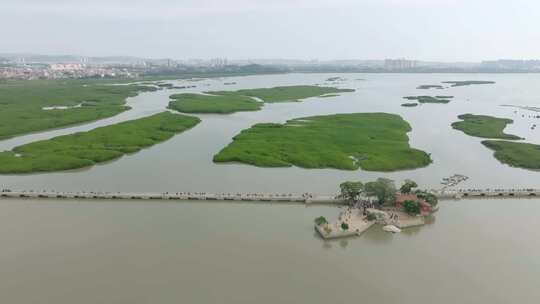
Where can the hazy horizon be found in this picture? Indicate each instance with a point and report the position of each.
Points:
(436, 30)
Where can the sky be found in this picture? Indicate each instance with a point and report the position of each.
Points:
(435, 30)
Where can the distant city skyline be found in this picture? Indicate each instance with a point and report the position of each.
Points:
(429, 30)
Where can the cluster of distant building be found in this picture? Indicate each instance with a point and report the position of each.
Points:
(62, 70)
(400, 64)
(54, 67)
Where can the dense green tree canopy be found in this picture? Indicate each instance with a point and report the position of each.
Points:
(407, 186)
(384, 189)
(351, 190)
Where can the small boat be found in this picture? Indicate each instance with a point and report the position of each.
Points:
(391, 228)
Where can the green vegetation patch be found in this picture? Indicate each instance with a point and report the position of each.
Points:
(99, 145)
(521, 155)
(286, 93)
(484, 126)
(409, 104)
(321, 220)
(430, 99)
(430, 86)
(23, 104)
(468, 82)
(223, 104)
(371, 141)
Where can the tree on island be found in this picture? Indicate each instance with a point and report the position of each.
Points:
(384, 189)
(407, 186)
(411, 207)
(351, 190)
(430, 198)
(321, 220)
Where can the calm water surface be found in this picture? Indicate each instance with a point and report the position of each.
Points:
(64, 252)
(477, 251)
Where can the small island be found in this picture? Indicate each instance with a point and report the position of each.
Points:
(205, 103)
(467, 82)
(380, 203)
(430, 99)
(225, 102)
(335, 79)
(86, 149)
(484, 126)
(515, 154)
(409, 104)
(371, 141)
(430, 86)
(285, 93)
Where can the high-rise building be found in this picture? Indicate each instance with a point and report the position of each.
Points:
(399, 64)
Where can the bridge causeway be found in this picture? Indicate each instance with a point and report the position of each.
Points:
(258, 197)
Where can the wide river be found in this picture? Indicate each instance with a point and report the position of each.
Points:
(475, 251)
(87, 252)
(184, 163)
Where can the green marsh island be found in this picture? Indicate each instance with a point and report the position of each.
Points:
(515, 154)
(371, 141)
(430, 99)
(37, 105)
(205, 103)
(224, 102)
(467, 82)
(430, 86)
(484, 126)
(86, 149)
(409, 104)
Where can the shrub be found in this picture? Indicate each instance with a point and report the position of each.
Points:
(344, 226)
(430, 198)
(321, 220)
(412, 207)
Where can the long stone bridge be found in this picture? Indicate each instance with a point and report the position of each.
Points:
(486, 193)
(186, 196)
(305, 198)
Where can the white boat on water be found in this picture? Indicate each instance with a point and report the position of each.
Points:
(391, 228)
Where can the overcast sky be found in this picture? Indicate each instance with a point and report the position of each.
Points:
(446, 30)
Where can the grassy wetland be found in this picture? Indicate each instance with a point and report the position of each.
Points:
(224, 102)
(287, 93)
(430, 86)
(484, 126)
(37, 105)
(86, 149)
(430, 99)
(467, 82)
(371, 141)
(515, 154)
